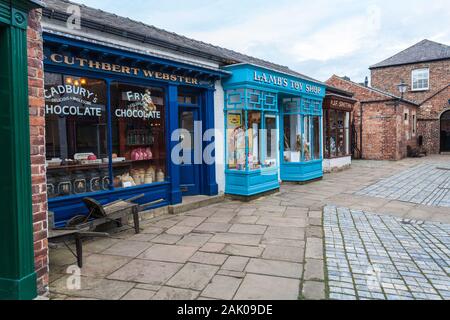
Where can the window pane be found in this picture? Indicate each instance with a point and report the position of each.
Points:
(235, 140)
(271, 156)
(307, 156)
(76, 135)
(316, 138)
(139, 140)
(254, 148)
(292, 138)
(340, 134)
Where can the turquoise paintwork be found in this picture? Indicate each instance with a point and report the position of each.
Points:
(250, 76)
(238, 88)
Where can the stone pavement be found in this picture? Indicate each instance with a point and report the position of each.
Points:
(427, 184)
(380, 257)
(270, 248)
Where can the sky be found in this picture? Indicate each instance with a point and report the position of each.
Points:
(318, 38)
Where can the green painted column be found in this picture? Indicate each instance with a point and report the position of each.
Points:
(17, 275)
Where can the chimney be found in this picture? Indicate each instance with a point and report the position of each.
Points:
(366, 82)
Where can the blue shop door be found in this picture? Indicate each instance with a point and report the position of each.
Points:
(189, 171)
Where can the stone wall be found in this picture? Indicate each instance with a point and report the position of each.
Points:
(37, 139)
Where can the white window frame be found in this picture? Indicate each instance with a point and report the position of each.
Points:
(414, 75)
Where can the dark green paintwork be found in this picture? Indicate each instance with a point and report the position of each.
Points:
(17, 275)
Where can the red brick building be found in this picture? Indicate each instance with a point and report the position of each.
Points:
(425, 68)
(37, 140)
(384, 125)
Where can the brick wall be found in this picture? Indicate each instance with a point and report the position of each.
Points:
(388, 78)
(37, 139)
(385, 132)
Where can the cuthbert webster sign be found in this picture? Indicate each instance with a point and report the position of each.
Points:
(288, 83)
(60, 59)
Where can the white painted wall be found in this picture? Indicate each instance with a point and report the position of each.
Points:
(330, 165)
(219, 124)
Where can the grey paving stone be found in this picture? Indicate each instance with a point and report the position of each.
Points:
(314, 270)
(290, 233)
(292, 254)
(259, 287)
(99, 266)
(160, 252)
(93, 288)
(313, 290)
(314, 248)
(168, 293)
(282, 222)
(245, 220)
(236, 238)
(194, 240)
(235, 264)
(167, 239)
(193, 276)
(209, 258)
(275, 268)
(191, 221)
(149, 272)
(248, 229)
(222, 287)
(213, 247)
(244, 251)
(139, 295)
(179, 231)
(213, 227)
(129, 249)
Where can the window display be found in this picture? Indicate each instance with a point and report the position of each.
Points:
(138, 135)
(76, 135)
(251, 134)
(77, 148)
(337, 133)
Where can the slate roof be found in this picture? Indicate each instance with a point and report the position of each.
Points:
(125, 27)
(423, 51)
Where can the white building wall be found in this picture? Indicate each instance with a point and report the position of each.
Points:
(219, 124)
(330, 165)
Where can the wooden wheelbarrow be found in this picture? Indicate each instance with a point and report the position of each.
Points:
(81, 227)
(113, 212)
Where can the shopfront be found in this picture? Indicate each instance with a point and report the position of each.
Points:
(337, 116)
(114, 118)
(273, 127)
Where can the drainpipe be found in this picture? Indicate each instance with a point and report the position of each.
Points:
(360, 130)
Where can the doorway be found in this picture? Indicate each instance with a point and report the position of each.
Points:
(189, 170)
(445, 132)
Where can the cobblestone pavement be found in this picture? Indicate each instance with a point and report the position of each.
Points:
(270, 248)
(427, 184)
(381, 257)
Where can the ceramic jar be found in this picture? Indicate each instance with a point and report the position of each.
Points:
(160, 176)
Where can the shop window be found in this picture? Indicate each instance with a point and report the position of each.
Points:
(306, 143)
(337, 133)
(316, 128)
(236, 140)
(292, 138)
(138, 135)
(76, 135)
(271, 141)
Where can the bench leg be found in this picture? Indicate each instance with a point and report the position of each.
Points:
(136, 221)
(79, 248)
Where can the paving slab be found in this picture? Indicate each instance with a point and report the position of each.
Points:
(193, 276)
(313, 290)
(213, 227)
(245, 251)
(275, 268)
(148, 272)
(209, 258)
(168, 293)
(248, 229)
(169, 253)
(236, 238)
(129, 249)
(234, 263)
(167, 239)
(259, 287)
(139, 295)
(100, 265)
(314, 248)
(314, 270)
(194, 240)
(222, 287)
(290, 233)
(291, 254)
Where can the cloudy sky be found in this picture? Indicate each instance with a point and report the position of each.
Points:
(318, 38)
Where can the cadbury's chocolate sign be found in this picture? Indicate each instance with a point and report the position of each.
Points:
(57, 58)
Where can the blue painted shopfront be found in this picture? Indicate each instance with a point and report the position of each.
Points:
(273, 127)
(100, 93)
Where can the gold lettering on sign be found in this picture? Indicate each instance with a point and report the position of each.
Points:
(117, 68)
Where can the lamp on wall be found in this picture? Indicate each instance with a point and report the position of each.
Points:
(402, 87)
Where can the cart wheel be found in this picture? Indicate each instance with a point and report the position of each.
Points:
(76, 221)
